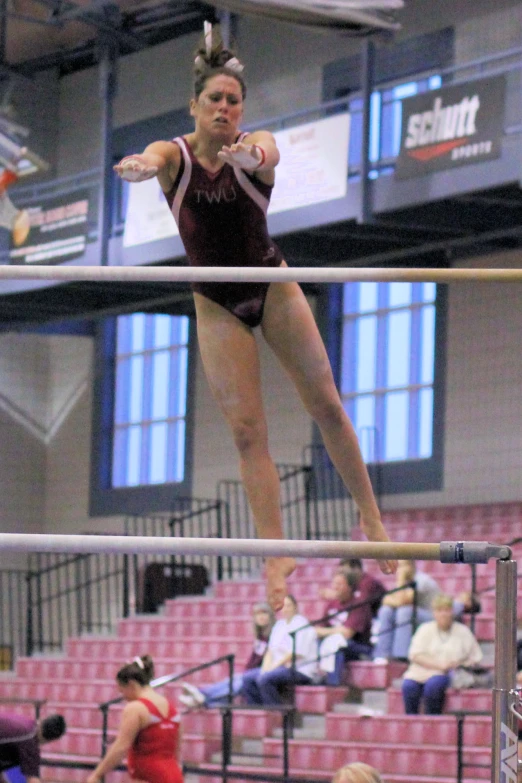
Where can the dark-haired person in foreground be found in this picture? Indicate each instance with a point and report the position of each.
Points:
(20, 741)
(149, 734)
(218, 181)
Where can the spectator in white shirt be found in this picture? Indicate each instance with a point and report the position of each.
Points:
(437, 647)
(264, 685)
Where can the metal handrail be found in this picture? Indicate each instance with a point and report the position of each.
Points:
(461, 716)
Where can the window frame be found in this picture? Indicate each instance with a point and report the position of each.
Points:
(405, 476)
(104, 499)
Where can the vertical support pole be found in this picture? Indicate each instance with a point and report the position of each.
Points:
(505, 724)
(286, 747)
(460, 746)
(226, 742)
(107, 72)
(368, 65)
(473, 594)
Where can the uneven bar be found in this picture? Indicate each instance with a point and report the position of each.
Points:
(166, 274)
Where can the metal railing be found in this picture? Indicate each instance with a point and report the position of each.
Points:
(67, 596)
(239, 522)
(188, 517)
(329, 508)
(461, 716)
(13, 592)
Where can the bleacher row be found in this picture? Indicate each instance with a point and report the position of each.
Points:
(362, 721)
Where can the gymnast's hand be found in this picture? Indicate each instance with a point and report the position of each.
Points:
(242, 156)
(134, 168)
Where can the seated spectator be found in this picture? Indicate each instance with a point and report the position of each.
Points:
(394, 626)
(366, 586)
(346, 635)
(218, 693)
(357, 772)
(437, 647)
(264, 684)
(21, 739)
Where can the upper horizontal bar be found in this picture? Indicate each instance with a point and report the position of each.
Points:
(220, 274)
(479, 552)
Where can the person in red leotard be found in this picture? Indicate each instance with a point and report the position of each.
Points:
(149, 733)
(218, 181)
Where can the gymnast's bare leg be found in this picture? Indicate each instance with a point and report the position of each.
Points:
(231, 362)
(290, 329)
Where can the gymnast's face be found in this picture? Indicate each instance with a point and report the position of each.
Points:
(219, 108)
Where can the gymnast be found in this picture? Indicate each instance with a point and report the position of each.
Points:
(217, 181)
(149, 733)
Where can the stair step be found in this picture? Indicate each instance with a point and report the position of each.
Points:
(239, 759)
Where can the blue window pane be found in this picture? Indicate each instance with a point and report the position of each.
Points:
(379, 373)
(138, 332)
(387, 122)
(132, 477)
(368, 300)
(118, 457)
(150, 383)
(356, 133)
(135, 389)
(158, 453)
(350, 294)
(396, 435)
(179, 441)
(400, 294)
(375, 127)
(428, 344)
(398, 359)
(364, 417)
(123, 334)
(366, 353)
(162, 331)
(121, 395)
(429, 291)
(160, 385)
(426, 423)
(180, 379)
(405, 90)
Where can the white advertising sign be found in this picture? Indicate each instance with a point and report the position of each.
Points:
(148, 217)
(313, 169)
(314, 164)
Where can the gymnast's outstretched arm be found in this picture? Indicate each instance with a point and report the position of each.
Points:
(160, 159)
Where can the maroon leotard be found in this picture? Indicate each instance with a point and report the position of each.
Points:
(152, 755)
(222, 221)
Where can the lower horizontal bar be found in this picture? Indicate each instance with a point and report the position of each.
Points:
(32, 542)
(165, 274)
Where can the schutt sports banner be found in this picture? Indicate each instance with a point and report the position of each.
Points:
(451, 126)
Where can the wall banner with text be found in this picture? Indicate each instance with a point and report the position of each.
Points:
(57, 230)
(451, 127)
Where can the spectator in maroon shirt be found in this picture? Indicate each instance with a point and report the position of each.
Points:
(366, 586)
(349, 625)
(20, 740)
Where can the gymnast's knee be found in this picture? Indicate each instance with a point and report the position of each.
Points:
(250, 437)
(327, 411)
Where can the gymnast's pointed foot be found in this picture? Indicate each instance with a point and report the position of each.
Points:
(374, 530)
(277, 570)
